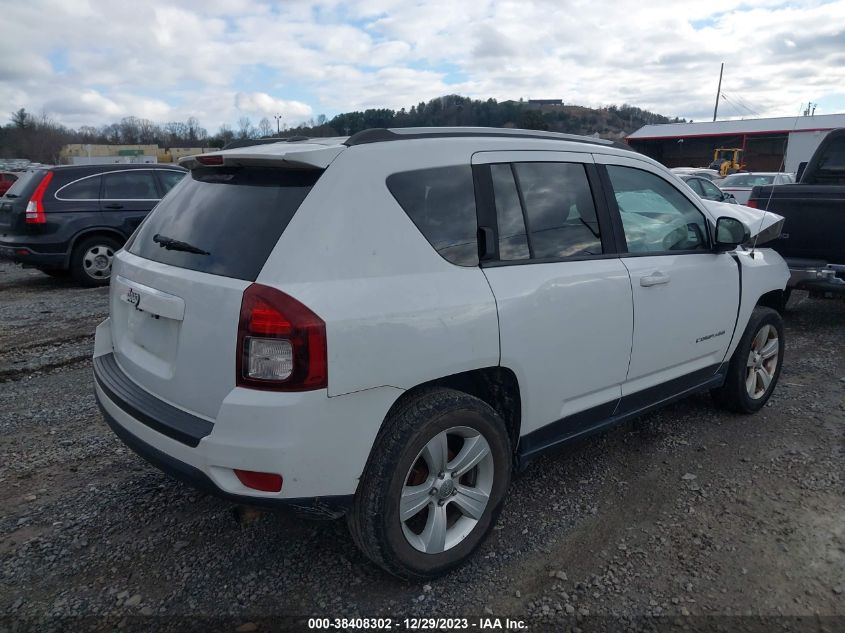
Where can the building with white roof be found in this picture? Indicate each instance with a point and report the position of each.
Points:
(767, 143)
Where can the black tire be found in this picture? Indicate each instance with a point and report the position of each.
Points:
(56, 273)
(734, 394)
(374, 519)
(80, 267)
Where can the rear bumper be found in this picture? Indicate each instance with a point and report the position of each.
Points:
(22, 254)
(819, 278)
(319, 445)
(329, 507)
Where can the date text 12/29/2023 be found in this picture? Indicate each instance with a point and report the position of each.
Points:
(417, 624)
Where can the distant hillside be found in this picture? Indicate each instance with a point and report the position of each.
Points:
(453, 110)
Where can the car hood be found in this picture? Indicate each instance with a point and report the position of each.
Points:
(764, 225)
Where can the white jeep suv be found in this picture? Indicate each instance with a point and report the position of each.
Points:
(387, 325)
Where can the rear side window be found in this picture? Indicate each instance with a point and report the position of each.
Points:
(235, 214)
(513, 241)
(441, 203)
(85, 189)
(559, 213)
(129, 185)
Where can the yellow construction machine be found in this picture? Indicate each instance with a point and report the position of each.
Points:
(727, 160)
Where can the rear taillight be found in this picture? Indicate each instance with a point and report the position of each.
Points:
(35, 206)
(752, 203)
(281, 343)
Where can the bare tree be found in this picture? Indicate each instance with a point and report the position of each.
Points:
(111, 133)
(88, 134)
(265, 128)
(148, 132)
(130, 130)
(245, 129)
(194, 128)
(225, 134)
(176, 133)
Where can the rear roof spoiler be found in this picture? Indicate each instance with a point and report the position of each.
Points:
(293, 156)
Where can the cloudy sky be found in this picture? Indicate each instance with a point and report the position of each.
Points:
(91, 62)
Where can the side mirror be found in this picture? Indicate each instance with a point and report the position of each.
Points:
(801, 167)
(730, 233)
(728, 197)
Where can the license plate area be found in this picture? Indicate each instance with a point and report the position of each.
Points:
(147, 323)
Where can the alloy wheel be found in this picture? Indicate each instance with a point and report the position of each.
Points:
(446, 490)
(762, 362)
(97, 261)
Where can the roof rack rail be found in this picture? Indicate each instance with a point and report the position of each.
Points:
(381, 135)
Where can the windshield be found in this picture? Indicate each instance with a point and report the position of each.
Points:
(747, 180)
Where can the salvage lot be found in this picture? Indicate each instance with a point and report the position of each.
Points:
(687, 511)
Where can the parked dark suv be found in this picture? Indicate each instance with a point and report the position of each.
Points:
(72, 219)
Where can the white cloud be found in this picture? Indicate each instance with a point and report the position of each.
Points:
(263, 104)
(96, 61)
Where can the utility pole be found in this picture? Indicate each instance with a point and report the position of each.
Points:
(718, 91)
(278, 118)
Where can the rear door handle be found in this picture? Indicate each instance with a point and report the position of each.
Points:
(113, 206)
(655, 279)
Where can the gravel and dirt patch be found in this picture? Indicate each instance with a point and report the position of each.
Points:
(686, 512)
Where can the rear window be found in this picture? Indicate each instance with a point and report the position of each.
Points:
(834, 157)
(169, 178)
(26, 180)
(235, 214)
(441, 203)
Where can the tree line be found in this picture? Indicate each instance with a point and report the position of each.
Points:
(41, 138)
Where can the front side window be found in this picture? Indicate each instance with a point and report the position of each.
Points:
(85, 189)
(129, 185)
(441, 203)
(656, 217)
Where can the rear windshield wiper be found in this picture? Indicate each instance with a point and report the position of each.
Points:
(175, 245)
(12, 195)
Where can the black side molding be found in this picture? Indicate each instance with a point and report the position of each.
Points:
(145, 407)
(609, 414)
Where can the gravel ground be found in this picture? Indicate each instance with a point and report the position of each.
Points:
(687, 512)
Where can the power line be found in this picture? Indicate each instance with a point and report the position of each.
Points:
(746, 104)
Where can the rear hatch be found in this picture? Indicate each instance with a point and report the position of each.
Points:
(13, 203)
(177, 287)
